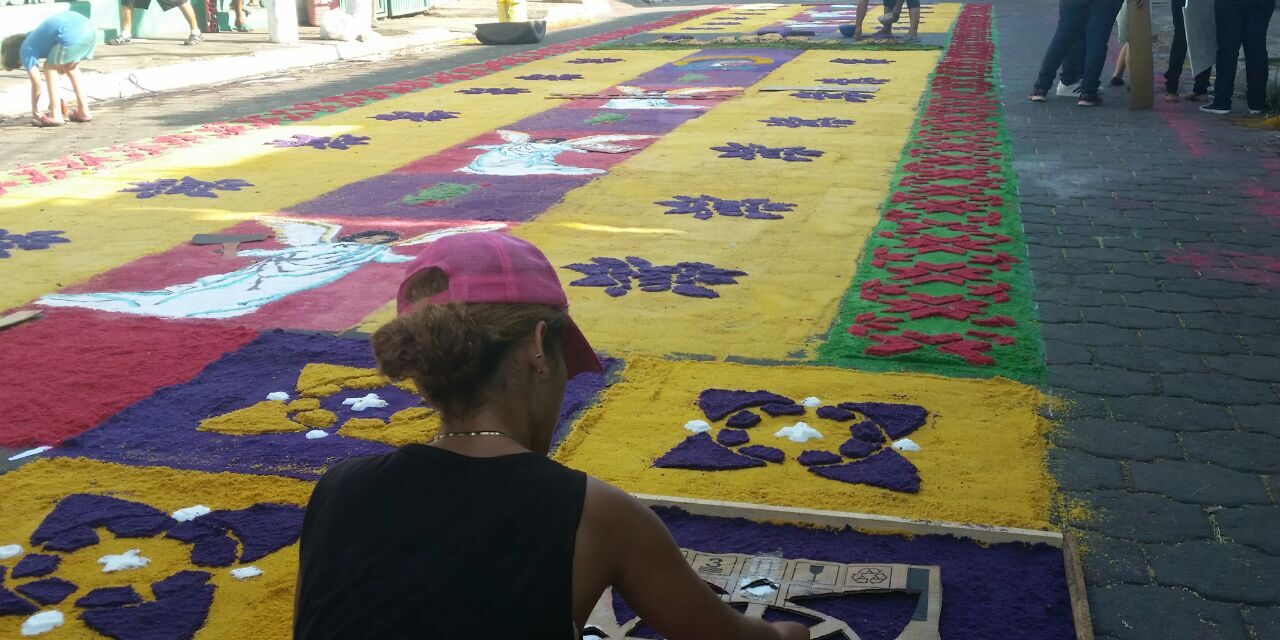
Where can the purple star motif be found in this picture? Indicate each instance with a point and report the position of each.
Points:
(704, 207)
(752, 151)
(847, 96)
(493, 91)
(691, 279)
(417, 116)
(188, 186)
(551, 76)
(342, 142)
(30, 241)
(846, 81)
(793, 122)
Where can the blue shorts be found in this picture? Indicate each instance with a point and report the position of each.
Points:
(911, 4)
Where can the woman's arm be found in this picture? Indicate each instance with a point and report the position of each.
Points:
(641, 560)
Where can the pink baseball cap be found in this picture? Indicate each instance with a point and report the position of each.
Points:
(499, 268)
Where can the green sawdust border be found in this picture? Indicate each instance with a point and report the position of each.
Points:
(1024, 360)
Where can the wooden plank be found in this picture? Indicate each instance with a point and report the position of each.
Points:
(1141, 91)
(18, 317)
(1075, 588)
(860, 521)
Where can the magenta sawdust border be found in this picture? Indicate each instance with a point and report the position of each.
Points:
(82, 162)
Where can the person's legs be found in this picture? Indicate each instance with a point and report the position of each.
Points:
(126, 24)
(1100, 17)
(862, 15)
(1073, 64)
(1230, 20)
(914, 31)
(1177, 50)
(1122, 63)
(195, 37)
(239, 8)
(53, 89)
(1257, 18)
(1072, 17)
(82, 105)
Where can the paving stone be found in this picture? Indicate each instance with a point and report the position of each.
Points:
(1261, 368)
(1131, 317)
(1175, 302)
(1089, 333)
(1192, 341)
(1238, 574)
(1107, 381)
(1143, 517)
(1110, 560)
(1174, 414)
(1109, 256)
(1262, 345)
(1209, 287)
(1153, 359)
(1118, 440)
(1115, 283)
(1137, 612)
(1053, 312)
(1256, 526)
(1198, 482)
(1218, 388)
(1046, 264)
(1076, 470)
(1057, 353)
(1255, 307)
(1239, 450)
(1078, 297)
(1265, 622)
(1260, 418)
(1238, 325)
(1072, 405)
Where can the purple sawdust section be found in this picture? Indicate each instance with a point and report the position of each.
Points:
(397, 399)
(722, 68)
(639, 121)
(497, 198)
(779, 409)
(162, 430)
(718, 403)
(996, 591)
(867, 431)
(742, 420)
(898, 420)
(34, 565)
(768, 454)
(10, 603)
(47, 590)
(856, 448)
(71, 524)
(580, 393)
(109, 597)
(179, 611)
(887, 469)
(732, 437)
(699, 452)
(835, 413)
(262, 528)
(817, 457)
(873, 616)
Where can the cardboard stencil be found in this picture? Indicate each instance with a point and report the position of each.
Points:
(757, 584)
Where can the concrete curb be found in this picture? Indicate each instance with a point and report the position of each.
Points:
(115, 85)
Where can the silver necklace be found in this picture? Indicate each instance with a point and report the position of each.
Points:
(458, 434)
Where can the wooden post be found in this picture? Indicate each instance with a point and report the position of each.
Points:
(1141, 93)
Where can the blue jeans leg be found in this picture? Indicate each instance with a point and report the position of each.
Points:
(1073, 15)
(1254, 39)
(1230, 16)
(1101, 18)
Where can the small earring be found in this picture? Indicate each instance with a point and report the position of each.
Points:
(541, 372)
(539, 356)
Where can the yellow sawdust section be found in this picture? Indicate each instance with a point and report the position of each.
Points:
(263, 604)
(751, 22)
(798, 267)
(108, 229)
(315, 381)
(981, 459)
(940, 21)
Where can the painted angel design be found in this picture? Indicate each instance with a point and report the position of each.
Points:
(315, 256)
(521, 155)
(659, 99)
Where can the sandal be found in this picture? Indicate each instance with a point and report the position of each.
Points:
(1172, 97)
(120, 40)
(45, 120)
(244, 28)
(76, 116)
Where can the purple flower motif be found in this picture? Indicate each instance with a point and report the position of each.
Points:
(417, 116)
(551, 77)
(793, 122)
(704, 207)
(493, 91)
(752, 151)
(594, 60)
(845, 81)
(188, 186)
(30, 241)
(847, 96)
(342, 142)
(692, 279)
(861, 61)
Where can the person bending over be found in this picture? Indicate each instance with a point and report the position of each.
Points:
(62, 41)
(892, 11)
(476, 533)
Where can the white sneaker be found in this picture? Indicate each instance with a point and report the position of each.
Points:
(1068, 90)
(1255, 112)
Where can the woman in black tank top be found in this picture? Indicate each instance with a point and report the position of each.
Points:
(477, 534)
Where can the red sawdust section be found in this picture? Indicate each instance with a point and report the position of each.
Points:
(71, 369)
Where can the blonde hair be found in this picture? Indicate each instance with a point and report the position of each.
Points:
(11, 51)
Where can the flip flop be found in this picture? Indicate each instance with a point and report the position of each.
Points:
(43, 120)
(76, 116)
(244, 28)
(120, 40)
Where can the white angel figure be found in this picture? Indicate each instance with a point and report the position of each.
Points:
(659, 98)
(315, 256)
(521, 155)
